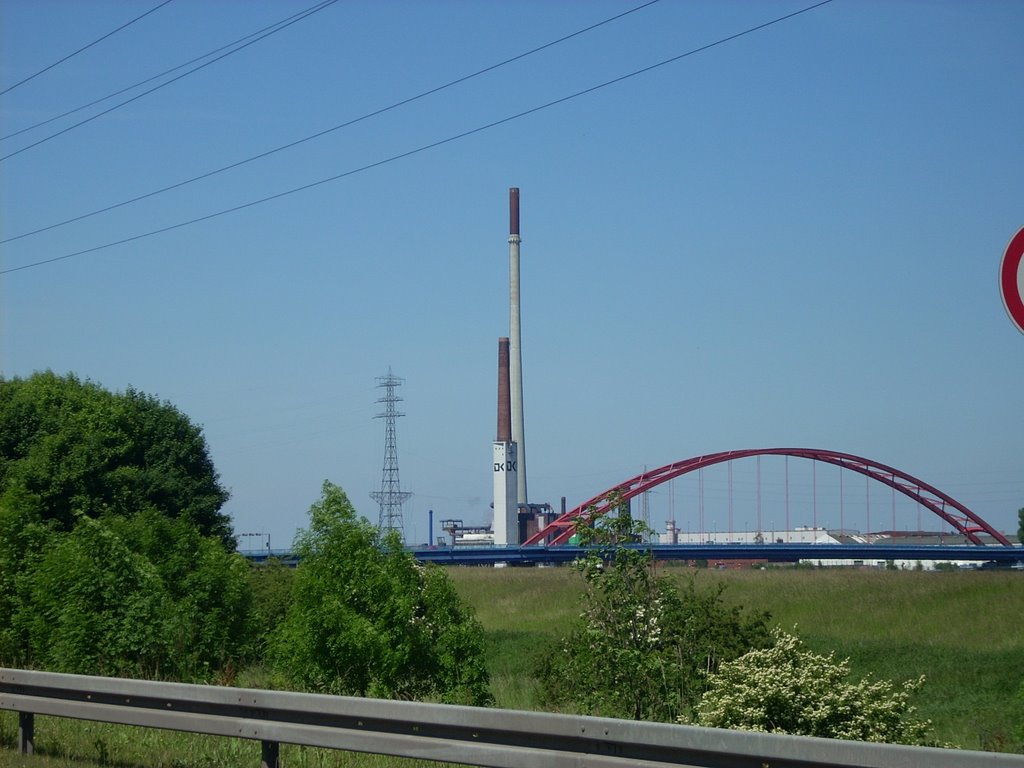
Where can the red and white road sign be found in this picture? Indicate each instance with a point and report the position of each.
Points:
(1011, 279)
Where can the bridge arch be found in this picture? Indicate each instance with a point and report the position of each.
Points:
(946, 507)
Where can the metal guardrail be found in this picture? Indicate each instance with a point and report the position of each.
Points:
(453, 734)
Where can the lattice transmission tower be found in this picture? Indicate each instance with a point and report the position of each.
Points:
(390, 496)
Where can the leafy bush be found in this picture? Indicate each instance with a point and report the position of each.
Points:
(114, 555)
(93, 607)
(788, 689)
(145, 597)
(210, 622)
(271, 586)
(23, 539)
(642, 649)
(367, 620)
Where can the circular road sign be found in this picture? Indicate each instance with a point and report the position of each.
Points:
(1011, 279)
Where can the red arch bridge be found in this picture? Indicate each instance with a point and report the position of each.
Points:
(962, 519)
(550, 545)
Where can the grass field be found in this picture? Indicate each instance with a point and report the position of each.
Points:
(963, 630)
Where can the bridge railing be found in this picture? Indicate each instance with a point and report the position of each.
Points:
(450, 734)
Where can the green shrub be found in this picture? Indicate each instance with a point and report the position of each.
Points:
(642, 648)
(94, 607)
(210, 623)
(23, 540)
(367, 620)
(144, 596)
(114, 555)
(271, 586)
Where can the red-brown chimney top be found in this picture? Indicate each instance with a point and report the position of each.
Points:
(504, 400)
(513, 210)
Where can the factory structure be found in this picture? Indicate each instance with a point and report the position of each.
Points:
(506, 460)
(518, 521)
(515, 518)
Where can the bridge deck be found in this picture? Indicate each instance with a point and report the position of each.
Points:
(869, 554)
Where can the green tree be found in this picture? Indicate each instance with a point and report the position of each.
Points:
(69, 447)
(1020, 525)
(92, 606)
(23, 540)
(114, 555)
(211, 620)
(142, 596)
(365, 619)
(788, 689)
(642, 647)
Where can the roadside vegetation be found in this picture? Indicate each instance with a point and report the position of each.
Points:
(643, 646)
(786, 688)
(963, 631)
(115, 559)
(365, 619)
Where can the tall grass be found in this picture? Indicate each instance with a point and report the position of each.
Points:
(523, 611)
(964, 631)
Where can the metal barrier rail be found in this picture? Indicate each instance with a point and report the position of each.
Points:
(454, 734)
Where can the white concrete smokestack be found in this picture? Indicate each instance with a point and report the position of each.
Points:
(506, 511)
(516, 342)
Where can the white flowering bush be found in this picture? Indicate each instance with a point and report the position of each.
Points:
(787, 688)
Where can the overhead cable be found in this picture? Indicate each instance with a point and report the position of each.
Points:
(166, 72)
(319, 134)
(83, 48)
(303, 15)
(425, 147)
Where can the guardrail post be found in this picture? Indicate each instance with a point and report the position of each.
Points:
(271, 754)
(26, 733)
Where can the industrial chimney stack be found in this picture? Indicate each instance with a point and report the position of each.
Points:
(516, 343)
(504, 403)
(506, 512)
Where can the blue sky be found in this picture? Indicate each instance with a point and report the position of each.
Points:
(789, 239)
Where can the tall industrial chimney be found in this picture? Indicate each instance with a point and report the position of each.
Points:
(516, 343)
(504, 403)
(506, 511)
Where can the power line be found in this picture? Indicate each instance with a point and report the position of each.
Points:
(425, 147)
(83, 48)
(319, 134)
(155, 77)
(302, 16)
